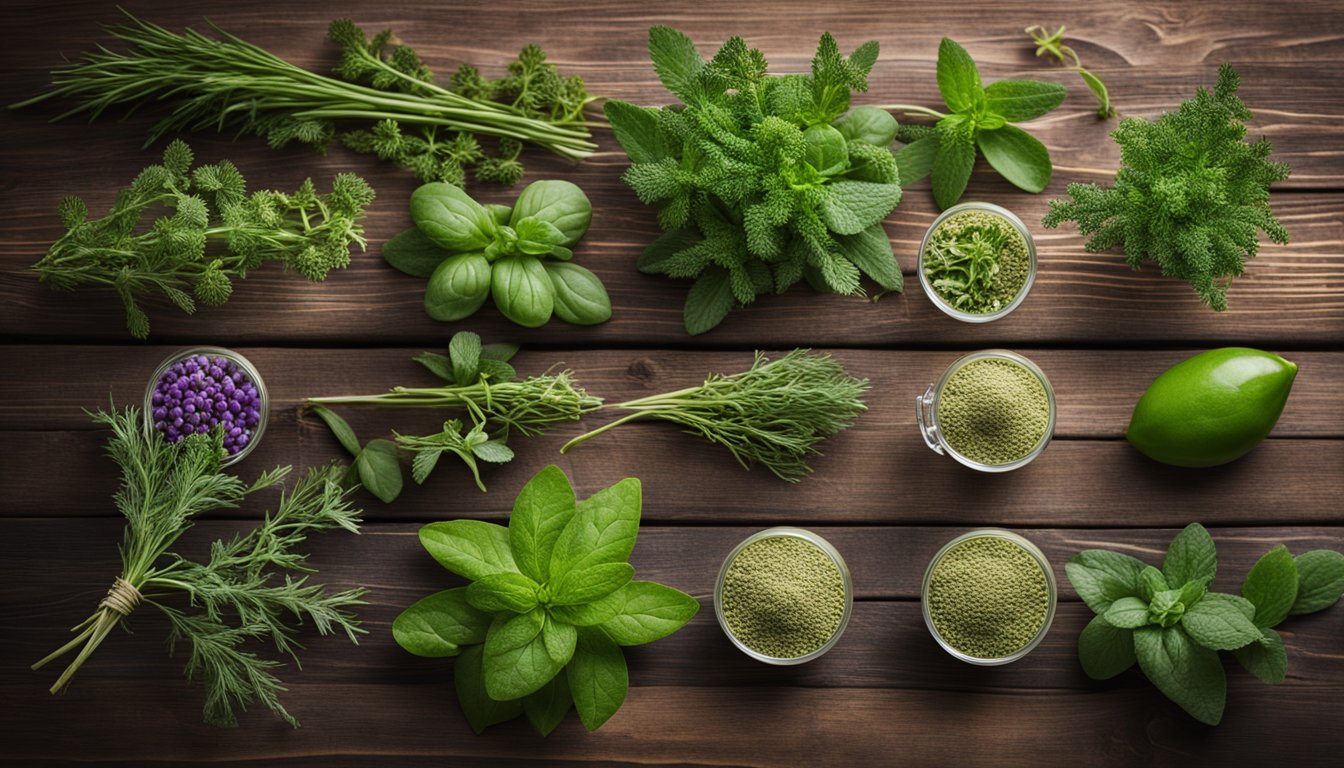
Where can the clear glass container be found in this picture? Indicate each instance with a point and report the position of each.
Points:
(247, 369)
(1006, 215)
(926, 412)
(825, 547)
(1051, 587)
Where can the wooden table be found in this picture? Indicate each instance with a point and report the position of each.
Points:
(886, 694)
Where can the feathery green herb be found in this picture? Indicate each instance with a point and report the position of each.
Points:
(250, 589)
(1052, 44)
(1190, 194)
(228, 83)
(213, 234)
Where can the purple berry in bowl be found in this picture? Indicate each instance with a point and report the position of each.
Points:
(197, 390)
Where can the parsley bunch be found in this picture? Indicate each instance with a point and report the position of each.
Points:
(254, 586)
(761, 181)
(1191, 194)
(212, 234)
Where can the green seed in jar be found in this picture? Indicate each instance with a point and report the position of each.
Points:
(993, 411)
(988, 597)
(783, 597)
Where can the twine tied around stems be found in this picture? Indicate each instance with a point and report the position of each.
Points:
(122, 597)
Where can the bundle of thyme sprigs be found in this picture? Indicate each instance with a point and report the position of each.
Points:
(250, 589)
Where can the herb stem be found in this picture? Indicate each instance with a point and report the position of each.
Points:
(914, 109)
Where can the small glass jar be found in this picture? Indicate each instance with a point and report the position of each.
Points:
(1006, 215)
(926, 412)
(828, 550)
(245, 367)
(1051, 588)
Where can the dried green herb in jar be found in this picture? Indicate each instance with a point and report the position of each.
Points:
(976, 261)
(783, 597)
(993, 411)
(988, 597)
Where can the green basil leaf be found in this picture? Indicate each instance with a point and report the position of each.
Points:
(585, 585)
(580, 298)
(340, 428)
(958, 78)
(915, 160)
(516, 662)
(537, 237)
(1151, 582)
(1017, 156)
(1127, 613)
(481, 709)
(458, 287)
(636, 130)
(676, 61)
(1186, 673)
(1104, 650)
(870, 251)
(708, 301)
(559, 639)
(379, 469)
(557, 202)
(598, 677)
(1271, 585)
(522, 290)
(871, 125)
(439, 365)
(440, 624)
(472, 549)
(647, 612)
(1190, 556)
(500, 213)
(450, 218)
(1018, 100)
(503, 592)
(493, 451)
(1218, 623)
(1266, 658)
(824, 149)
(1320, 580)
(1101, 577)
(546, 708)
(850, 207)
(543, 509)
(465, 352)
(603, 530)
(952, 165)
(412, 252)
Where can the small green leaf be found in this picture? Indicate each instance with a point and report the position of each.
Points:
(915, 160)
(1266, 658)
(503, 592)
(870, 250)
(543, 509)
(546, 708)
(493, 451)
(1105, 651)
(1127, 613)
(591, 614)
(498, 371)
(647, 612)
(871, 125)
(465, 352)
(1151, 583)
(603, 530)
(952, 167)
(1320, 580)
(438, 625)
(559, 639)
(522, 290)
(501, 352)
(708, 301)
(824, 149)
(1271, 585)
(412, 252)
(439, 365)
(1018, 100)
(636, 130)
(516, 660)
(450, 218)
(340, 428)
(958, 78)
(1190, 556)
(1217, 622)
(850, 207)
(585, 585)
(1101, 577)
(379, 469)
(557, 202)
(458, 287)
(676, 61)
(580, 297)
(470, 548)
(598, 677)
(481, 710)
(1017, 156)
(1188, 674)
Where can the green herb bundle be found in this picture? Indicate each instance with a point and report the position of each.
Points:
(551, 602)
(249, 589)
(228, 83)
(1174, 626)
(979, 117)
(761, 181)
(212, 234)
(1190, 194)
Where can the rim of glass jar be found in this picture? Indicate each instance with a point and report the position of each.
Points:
(926, 412)
(1051, 587)
(249, 370)
(1011, 218)
(814, 539)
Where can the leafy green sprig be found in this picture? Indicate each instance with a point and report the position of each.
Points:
(1173, 626)
(213, 233)
(254, 587)
(1052, 44)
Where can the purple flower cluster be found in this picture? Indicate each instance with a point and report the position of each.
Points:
(198, 393)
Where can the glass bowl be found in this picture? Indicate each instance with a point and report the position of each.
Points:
(1051, 587)
(926, 412)
(246, 368)
(1006, 215)
(825, 547)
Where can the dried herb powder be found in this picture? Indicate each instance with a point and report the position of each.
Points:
(976, 261)
(993, 411)
(988, 597)
(783, 597)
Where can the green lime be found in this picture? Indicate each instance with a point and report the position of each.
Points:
(1212, 408)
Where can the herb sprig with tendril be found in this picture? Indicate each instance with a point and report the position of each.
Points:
(1052, 44)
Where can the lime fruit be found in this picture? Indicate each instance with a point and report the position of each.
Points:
(1212, 408)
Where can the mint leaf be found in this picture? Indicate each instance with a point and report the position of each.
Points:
(499, 351)
(1101, 577)
(439, 365)
(1190, 556)
(481, 710)
(1266, 658)
(546, 708)
(465, 352)
(1017, 156)
(585, 585)
(438, 625)
(915, 160)
(503, 592)
(850, 207)
(340, 428)
(516, 660)
(952, 164)
(648, 612)
(493, 451)
(1219, 623)
(1320, 580)
(708, 301)
(1127, 613)
(413, 253)
(1151, 582)
(602, 531)
(1186, 673)
(1104, 650)
(636, 130)
(1018, 100)
(598, 677)
(591, 614)
(1271, 585)
(676, 61)
(958, 78)
(559, 639)
(542, 510)
(470, 548)
(870, 250)
(379, 469)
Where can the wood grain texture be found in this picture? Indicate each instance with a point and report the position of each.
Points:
(886, 695)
